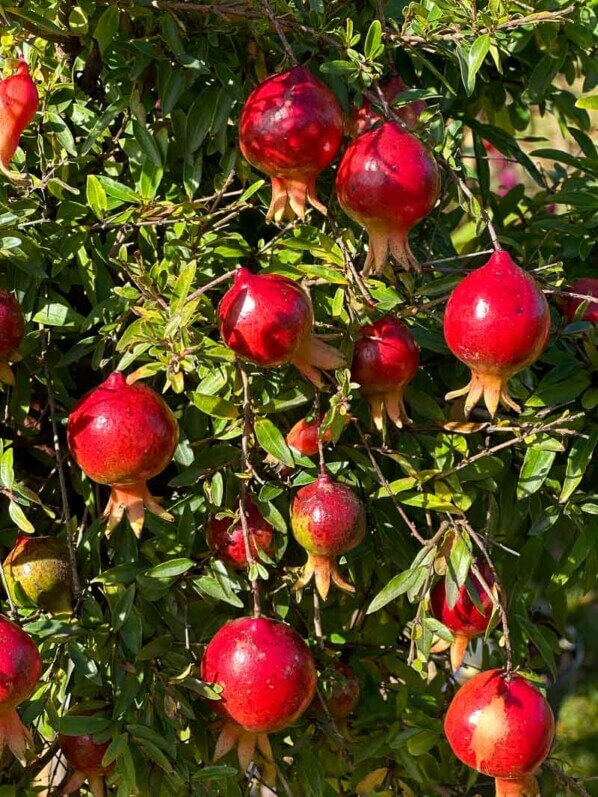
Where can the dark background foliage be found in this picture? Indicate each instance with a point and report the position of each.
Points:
(138, 199)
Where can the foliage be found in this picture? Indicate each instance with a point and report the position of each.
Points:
(139, 200)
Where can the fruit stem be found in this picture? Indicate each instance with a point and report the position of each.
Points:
(245, 476)
(525, 786)
(320, 441)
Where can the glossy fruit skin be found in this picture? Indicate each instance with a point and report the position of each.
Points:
(268, 320)
(19, 102)
(327, 517)
(586, 286)
(500, 725)
(266, 671)
(364, 118)
(497, 322)
(385, 360)
(304, 436)
(40, 565)
(12, 324)
(229, 543)
(387, 181)
(464, 616)
(291, 128)
(20, 666)
(121, 434)
(84, 754)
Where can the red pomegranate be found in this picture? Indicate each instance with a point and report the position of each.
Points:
(122, 435)
(364, 118)
(225, 537)
(303, 437)
(20, 670)
(502, 726)
(328, 519)
(268, 319)
(585, 286)
(19, 102)
(497, 322)
(385, 360)
(464, 618)
(268, 679)
(85, 756)
(387, 181)
(291, 128)
(344, 691)
(12, 329)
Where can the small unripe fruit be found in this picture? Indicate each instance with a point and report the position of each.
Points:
(41, 569)
(225, 537)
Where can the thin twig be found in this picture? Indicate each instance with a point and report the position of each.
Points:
(322, 458)
(245, 475)
(280, 33)
(204, 288)
(567, 780)
(66, 512)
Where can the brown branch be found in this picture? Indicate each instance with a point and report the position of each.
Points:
(280, 33)
(205, 288)
(245, 475)
(565, 779)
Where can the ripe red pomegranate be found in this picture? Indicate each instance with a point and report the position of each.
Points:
(344, 692)
(19, 102)
(387, 181)
(586, 286)
(12, 329)
(225, 537)
(20, 670)
(303, 437)
(328, 519)
(364, 118)
(85, 756)
(122, 435)
(41, 569)
(464, 618)
(497, 322)
(268, 319)
(268, 679)
(502, 726)
(291, 128)
(385, 360)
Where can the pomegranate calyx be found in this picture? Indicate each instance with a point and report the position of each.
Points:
(382, 244)
(526, 786)
(132, 500)
(290, 195)
(95, 782)
(233, 736)
(15, 736)
(323, 569)
(458, 648)
(313, 356)
(6, 374)
(493, 388)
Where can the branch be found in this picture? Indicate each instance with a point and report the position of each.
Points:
(280, 33)
(200, 291)
(565, 779)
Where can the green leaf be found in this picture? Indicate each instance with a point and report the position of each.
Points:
(170, 569)
(534, 471)
(214, 405)
(397, 586)
(577, 463)
(107, 27)
(590, 102)
(96, 196)
(272, 441)
(18, 516)
(373, 47)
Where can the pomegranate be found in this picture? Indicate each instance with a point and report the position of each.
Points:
(268, 319)
(225, 537)
(364, 118)
(464, 618)
(20, 670)
(328, 519)
(497, 322)
(40, 567)
(502, 726)
(12, 329)
(85, 756)
(385, 360)
(303, 437)
(344, 692)
(586, 286)
(19, 102)
(268, 679)
(122, 435)
(387, 181)
(291, 128)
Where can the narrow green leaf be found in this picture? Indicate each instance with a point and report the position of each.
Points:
(536, 467)
(579, 459)
(397, 586)
(272, 441)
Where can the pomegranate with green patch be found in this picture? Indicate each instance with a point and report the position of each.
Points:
(38, 569)
(328, 520)
(226, 538)
(122, 435)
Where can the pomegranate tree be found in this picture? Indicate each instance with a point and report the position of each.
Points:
(584, 286)
(499, 724)
(291, 128)
(121, 435)
(85, 757)
(464, 618)
(328, 519)
(20, 670)
(19, 102)
(497, 322)
(385, 360)
(12, 329)
(268, 320)
(38, 568)
(387, 181)
(268, 679)
(364, 118)
(225, 537)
